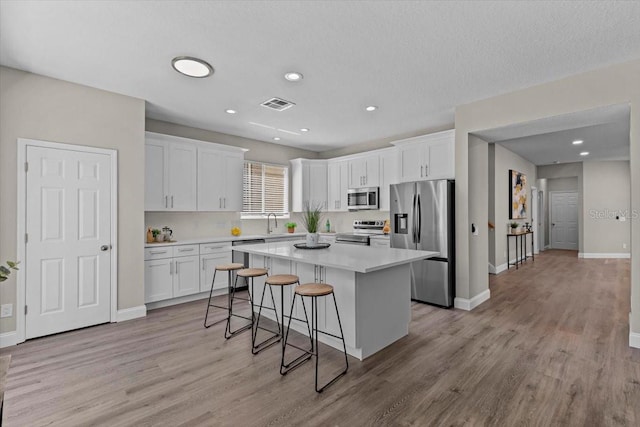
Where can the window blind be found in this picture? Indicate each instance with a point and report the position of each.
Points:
(265, 189)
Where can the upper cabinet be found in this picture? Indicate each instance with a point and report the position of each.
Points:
(308, 184)
(219, 180)
(338, 184)
(170, 174)
(427, 157)
(364, 171)
(189, 175)
(388, 175)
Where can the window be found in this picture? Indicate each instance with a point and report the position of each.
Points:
(265, 189)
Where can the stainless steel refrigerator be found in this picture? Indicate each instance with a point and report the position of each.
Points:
(422, 218)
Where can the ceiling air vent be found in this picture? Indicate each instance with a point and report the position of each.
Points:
(277, 104)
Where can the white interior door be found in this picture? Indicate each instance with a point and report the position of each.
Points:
(68, 257)
(564, 220)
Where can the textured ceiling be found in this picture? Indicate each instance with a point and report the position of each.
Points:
(415, 60)
(604, 132)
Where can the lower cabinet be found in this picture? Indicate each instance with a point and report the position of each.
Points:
(186, 278)
(158, 279)
(208, 265)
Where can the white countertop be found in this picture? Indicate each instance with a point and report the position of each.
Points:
(362, 259)
(219, 239)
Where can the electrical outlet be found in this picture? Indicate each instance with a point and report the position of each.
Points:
(624, 246)
(6, 310)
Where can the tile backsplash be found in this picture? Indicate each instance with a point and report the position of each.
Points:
(190, 225)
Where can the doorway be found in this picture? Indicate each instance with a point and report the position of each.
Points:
(563, 212)
(68, 212)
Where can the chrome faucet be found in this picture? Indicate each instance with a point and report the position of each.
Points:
(269, 230)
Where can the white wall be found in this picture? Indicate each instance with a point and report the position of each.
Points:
(504, 160)
(607, 189)
(38, 107)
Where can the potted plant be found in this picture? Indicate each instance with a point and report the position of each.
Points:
(291, 226)
(157, 235)
(514, 226)
(6, 271)
(311, 218)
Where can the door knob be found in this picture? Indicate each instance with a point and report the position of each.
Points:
(104, 248)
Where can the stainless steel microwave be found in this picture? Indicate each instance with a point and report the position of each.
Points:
(362, 198)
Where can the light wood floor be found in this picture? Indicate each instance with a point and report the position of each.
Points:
(549, 348)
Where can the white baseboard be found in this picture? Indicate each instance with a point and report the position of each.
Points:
(621, 255)
(634, 339)
(470, 304)
(131, 313)
(8, 339)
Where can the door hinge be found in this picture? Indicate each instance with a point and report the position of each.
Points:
(26, 237)
(26, 166)
(25, 310)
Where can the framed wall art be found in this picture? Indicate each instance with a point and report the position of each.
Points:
(517, 195)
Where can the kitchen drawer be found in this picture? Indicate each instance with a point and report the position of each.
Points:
(158, 253)
(385, 243)
(215, 248)
(186, 250)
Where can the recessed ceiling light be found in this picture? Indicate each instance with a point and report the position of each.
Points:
(231, 111)
(304, 130)
(293, 76)
(371, 108)
(275, 138)
(584, 153)
(577, 142)
(192, 67)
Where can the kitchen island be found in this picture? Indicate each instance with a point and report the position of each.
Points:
(372, 286)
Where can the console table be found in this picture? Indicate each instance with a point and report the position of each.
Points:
(521, 247)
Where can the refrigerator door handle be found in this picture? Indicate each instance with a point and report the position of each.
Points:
(413, 225)
(419, 217)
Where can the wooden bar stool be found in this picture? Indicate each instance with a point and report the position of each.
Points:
(252, 273)
(229, 268)
(313, 291)
(280, 280)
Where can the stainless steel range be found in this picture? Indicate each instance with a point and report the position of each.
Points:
(362, 231)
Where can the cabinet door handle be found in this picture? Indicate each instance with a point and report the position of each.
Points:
(426, 170)
(214, 247)
(157, 252)
(170, 268)
(166, 202)
(172, 201)
(185, 250)
(224, 199)
(176, 267)
(220, 202)
(421, 170)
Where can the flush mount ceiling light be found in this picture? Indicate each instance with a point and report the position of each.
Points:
(371, 108)
(230, 111)
(192, 67)
(584, 153)
(304, 130)
(275, 138)
(577, 142)
(293, 76)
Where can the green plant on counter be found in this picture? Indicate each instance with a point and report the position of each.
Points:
(513, 225)
(291, 225)
(6, 271)
(155, 232)
(311, 217)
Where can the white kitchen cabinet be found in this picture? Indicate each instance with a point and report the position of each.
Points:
(211, 255)
(158, 280)
(364, 171)
(308, 184)
(338, 184)
(219, 180)
(170, 272)
(380, 242)
(427, 157)
(186, 277)
(388, 176)
(170, 174)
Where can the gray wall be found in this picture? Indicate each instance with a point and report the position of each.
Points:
(38, 107)
(607, 188)
(617, 84)
(504, 161)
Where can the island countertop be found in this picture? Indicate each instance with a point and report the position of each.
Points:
(361, 259)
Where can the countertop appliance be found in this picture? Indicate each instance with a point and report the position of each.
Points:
(362, 232)
(362, 198)
(422, 218)
(242, 258)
